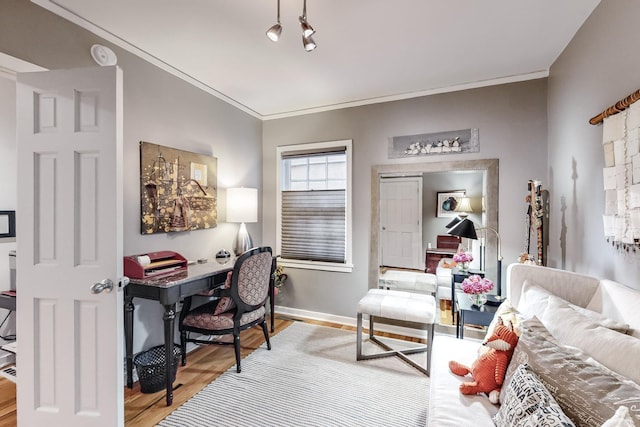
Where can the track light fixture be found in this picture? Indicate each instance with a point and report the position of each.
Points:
(308, 43)
(274, 32)
(307, 30)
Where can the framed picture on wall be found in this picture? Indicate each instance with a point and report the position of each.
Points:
(7, 224)
(447, 203)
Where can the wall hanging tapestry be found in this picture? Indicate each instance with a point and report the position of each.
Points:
(427, 144)
(621, 173)
(178, 190)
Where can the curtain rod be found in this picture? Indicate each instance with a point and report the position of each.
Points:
(616, 108)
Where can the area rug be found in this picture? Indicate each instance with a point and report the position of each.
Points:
(311, 378)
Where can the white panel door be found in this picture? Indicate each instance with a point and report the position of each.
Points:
(401, 222)
(69, 238)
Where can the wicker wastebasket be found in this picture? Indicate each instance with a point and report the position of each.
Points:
(150, 366)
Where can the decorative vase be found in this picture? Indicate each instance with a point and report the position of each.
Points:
(464, 266)
(478, 299)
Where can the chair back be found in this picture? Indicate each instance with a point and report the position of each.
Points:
(251, 279)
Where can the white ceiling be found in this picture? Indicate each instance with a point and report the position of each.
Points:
(368, 50)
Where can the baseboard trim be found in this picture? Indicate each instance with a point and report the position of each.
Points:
(349, 321)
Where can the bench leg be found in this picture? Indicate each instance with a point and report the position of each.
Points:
(402, 354)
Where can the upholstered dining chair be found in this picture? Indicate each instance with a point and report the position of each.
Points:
(241, 304)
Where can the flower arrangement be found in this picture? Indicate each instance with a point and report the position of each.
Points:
(463, 257)
(475, 284)
(279, 276)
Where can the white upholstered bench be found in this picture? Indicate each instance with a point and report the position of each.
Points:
(419, 309)
(410, 281)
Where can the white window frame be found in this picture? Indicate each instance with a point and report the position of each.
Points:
(347, 266)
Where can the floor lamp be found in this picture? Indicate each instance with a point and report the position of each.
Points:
(242, 207)
(465, 228)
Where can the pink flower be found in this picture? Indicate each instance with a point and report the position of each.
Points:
(476, 285)
(463, 257)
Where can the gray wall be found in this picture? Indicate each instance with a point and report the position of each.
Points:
(158, 108)
(599, 67)
(512, 120)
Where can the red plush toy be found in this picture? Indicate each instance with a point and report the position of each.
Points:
(489, 368)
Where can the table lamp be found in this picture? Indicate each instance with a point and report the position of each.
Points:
(242, 207)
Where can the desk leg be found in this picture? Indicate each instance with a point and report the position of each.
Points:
(128, 333)
(461, 325)
(272, 302)
(169, 321)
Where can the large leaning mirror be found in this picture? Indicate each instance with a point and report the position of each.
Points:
(392, 190)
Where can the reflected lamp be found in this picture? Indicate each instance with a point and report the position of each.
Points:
(465, 228)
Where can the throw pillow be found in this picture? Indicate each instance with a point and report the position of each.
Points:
(225, 303)
(528, 403)
(587, 394)
(535, 299)
(622, 418)
(509, 316)
(617, 351)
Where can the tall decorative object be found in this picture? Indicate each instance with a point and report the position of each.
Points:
(242, 207)
(537, 218)
(621, 173)
(178, 190)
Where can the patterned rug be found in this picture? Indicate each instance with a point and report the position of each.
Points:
(311, 378)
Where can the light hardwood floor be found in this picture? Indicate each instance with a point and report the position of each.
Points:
(204, 364)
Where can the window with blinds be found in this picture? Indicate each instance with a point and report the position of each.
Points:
(314, 208)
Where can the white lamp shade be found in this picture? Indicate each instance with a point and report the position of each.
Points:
(464, 205)
(242, 205)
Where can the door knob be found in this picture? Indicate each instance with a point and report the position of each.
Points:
(104, 285)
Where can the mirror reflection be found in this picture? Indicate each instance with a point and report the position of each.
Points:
(412, 205)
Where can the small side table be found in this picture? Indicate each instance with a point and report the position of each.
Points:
(469, 313)
(457, 276)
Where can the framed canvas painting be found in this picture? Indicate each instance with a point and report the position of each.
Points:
(447, 203)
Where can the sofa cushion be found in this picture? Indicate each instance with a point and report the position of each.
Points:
(587, 394)
(616, 351)
(447, 406)
(528, 403)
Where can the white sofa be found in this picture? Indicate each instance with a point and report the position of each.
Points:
(447, 407)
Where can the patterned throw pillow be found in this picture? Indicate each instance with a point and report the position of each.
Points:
(528, 403)
(588, 394)
(225, 303)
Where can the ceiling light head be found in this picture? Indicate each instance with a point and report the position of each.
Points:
(274, 32)
(307, 29)
(308, 43)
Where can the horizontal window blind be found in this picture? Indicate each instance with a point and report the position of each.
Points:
(314, 225)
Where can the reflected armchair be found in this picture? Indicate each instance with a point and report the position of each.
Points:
(241, 304)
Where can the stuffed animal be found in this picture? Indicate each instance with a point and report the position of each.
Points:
(490, 367)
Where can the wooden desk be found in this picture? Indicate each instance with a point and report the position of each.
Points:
(434, 255)
(168, 291)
